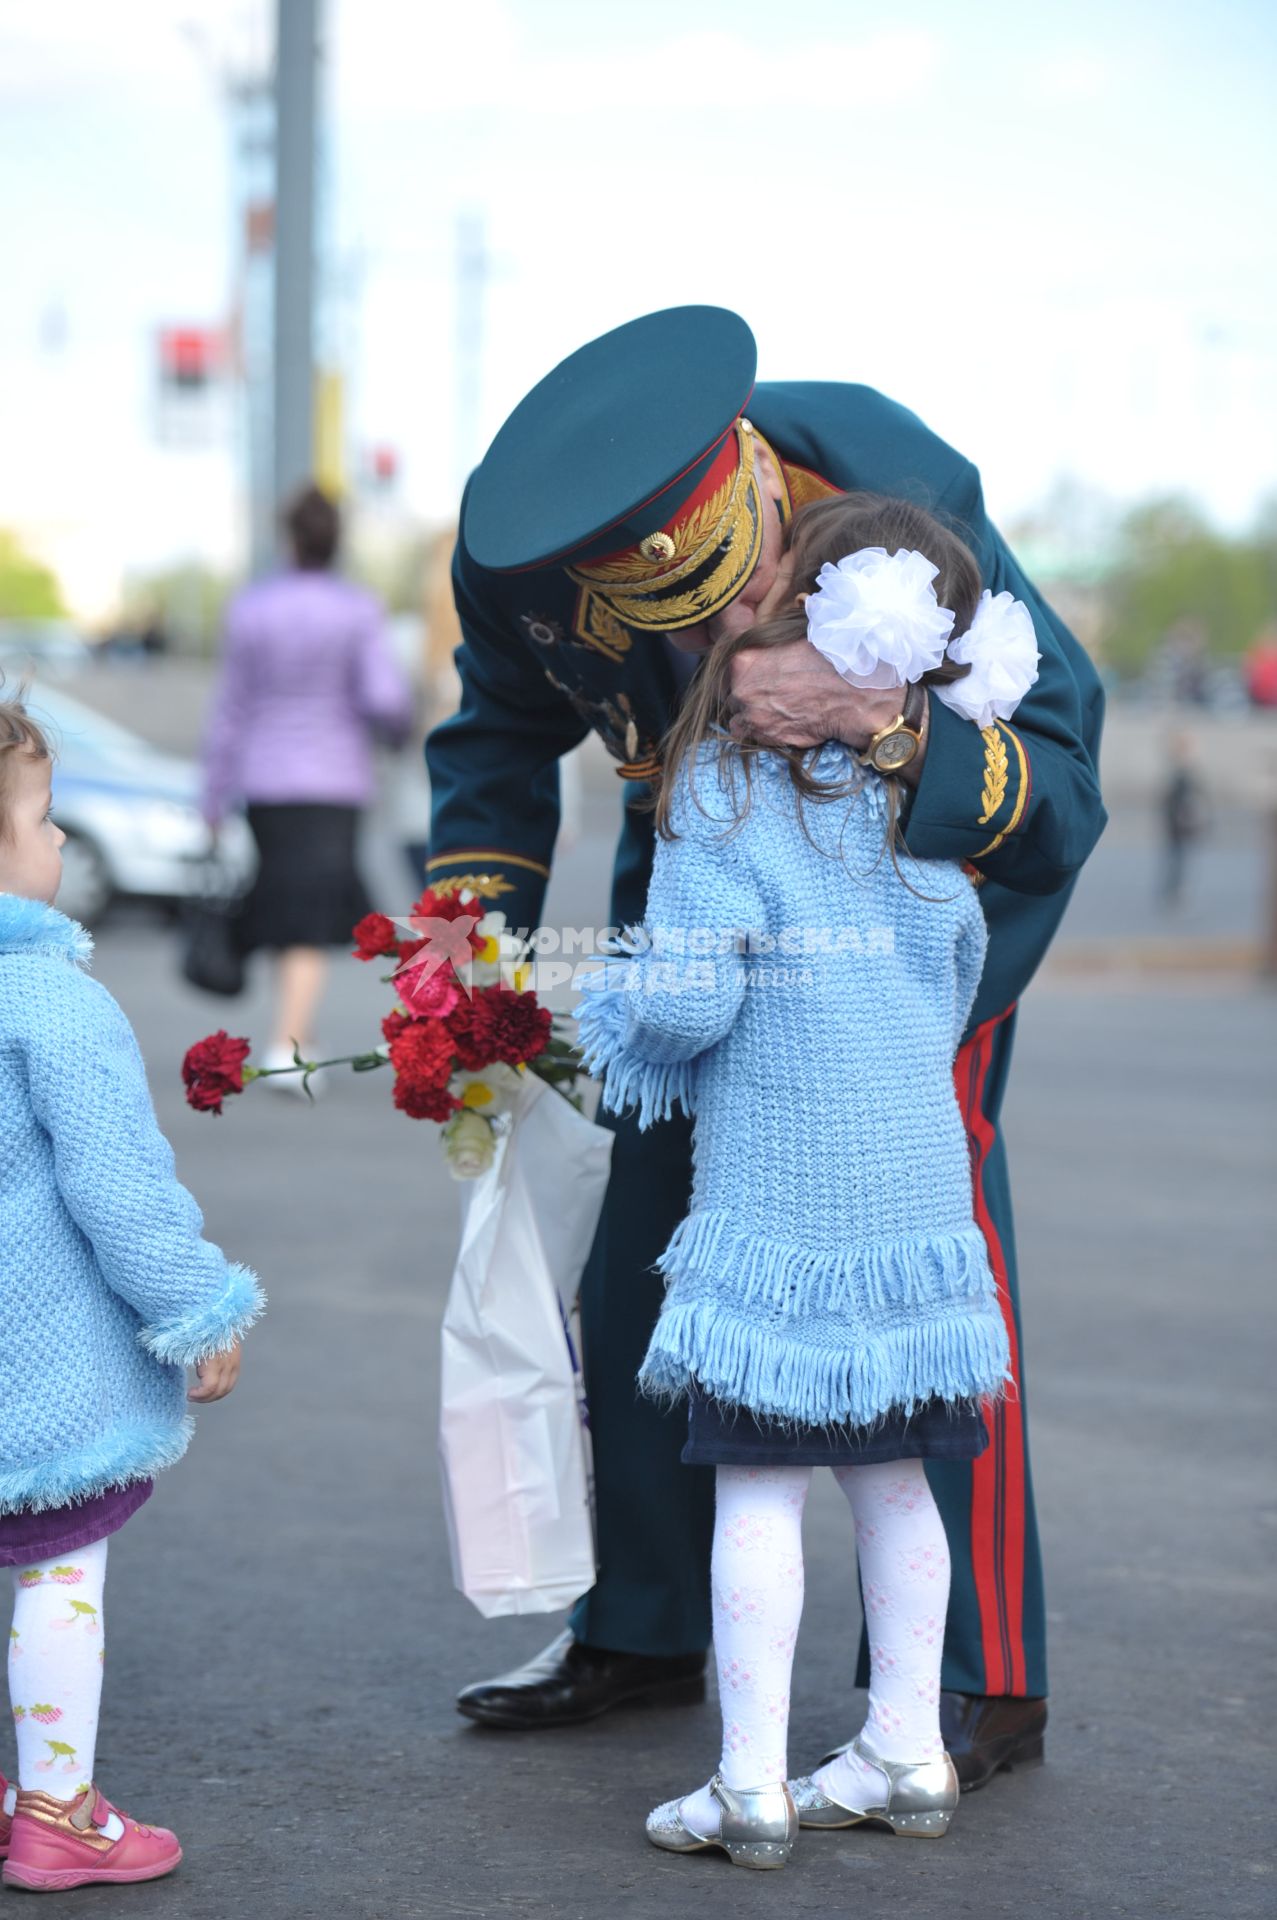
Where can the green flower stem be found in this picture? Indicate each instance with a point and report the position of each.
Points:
(361, 1062)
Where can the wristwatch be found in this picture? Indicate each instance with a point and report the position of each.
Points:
(892, 748)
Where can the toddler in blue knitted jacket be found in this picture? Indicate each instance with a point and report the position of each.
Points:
(107, 1293)
(801, 985)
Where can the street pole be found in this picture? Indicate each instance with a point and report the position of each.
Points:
(251, 97)
(296, 75)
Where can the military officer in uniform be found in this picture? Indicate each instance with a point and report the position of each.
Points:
(630, 512)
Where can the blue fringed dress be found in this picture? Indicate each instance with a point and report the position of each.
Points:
(805, 1005)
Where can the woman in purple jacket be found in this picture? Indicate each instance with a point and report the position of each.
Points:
(307, 683)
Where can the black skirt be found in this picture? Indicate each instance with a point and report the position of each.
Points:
(723, 1436)
(308, 891)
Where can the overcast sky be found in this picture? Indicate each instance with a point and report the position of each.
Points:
(1050, 231)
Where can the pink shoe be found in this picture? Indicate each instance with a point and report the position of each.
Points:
(6, 1824)
(57, 1844)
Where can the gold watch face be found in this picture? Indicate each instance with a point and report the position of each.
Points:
(896, 751)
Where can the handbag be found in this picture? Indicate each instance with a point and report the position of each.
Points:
(212, 921)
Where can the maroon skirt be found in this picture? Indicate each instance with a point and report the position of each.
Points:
(26, 1537)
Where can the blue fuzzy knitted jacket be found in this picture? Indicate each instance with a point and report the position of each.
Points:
(830, 1267)
(107, 1289)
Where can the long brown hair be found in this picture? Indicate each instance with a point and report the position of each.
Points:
(827, 530)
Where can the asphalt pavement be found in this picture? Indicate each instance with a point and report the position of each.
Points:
(284, 1641)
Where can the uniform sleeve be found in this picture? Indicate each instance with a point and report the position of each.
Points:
(645, 1020)
(116, 1175)
(1020, 800)
(493, 765)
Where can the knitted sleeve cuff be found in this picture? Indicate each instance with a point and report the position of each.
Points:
(628, 1079)
(211, 1328)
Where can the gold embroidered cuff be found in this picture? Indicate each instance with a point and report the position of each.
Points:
(1005, 792)
(482, 875)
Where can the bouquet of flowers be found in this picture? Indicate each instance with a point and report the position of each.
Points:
(473, 1050)
(461, 1038)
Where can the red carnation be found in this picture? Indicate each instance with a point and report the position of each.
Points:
(433, 906)
(214, 1067)
(394, 1023)
(425, 1103)
(471, 1033)
(516, 1027)
(373, 936)
(427, 992)
(421, 1053)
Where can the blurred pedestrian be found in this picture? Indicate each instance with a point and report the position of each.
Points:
(108, 1291)
(153, 636)
(1186, 653)
(308, 683)
(1183, 813)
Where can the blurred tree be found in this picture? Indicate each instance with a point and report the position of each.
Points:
(1171, 567)
(28, 589)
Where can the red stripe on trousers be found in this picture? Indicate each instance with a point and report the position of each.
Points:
(997, 1477)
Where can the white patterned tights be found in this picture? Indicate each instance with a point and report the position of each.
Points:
(757, 1582)
(55, 1668)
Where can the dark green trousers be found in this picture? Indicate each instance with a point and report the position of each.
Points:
(655, 1516)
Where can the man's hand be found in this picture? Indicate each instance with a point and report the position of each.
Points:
(217, 1375)
(790, 696)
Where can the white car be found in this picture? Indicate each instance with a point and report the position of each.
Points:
(130, 814)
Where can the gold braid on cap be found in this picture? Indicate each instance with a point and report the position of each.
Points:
(713, 553)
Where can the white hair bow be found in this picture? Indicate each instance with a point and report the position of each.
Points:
(1001, 649)
(875, 617)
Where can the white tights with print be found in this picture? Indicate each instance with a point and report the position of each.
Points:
(56, 1652)
(757, 1582)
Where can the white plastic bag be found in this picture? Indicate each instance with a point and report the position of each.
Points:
(512, 1433)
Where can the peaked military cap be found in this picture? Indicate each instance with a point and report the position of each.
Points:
(631, 466)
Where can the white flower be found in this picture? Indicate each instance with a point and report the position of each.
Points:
(490, 1091)
(500, 961)
(1002, 650)
(876, 618)
(469, 1144)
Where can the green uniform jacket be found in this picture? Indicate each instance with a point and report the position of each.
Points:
(543, 662)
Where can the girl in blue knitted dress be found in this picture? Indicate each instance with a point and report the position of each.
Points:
(107, 1293)
(800, 985)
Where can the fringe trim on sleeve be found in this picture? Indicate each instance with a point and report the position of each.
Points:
(654, 1087)
(211, 1328)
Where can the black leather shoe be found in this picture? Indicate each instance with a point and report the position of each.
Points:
(991, 1733)
(570, 1682)
(987, 1733)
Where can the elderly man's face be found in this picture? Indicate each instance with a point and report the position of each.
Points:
(742, 612)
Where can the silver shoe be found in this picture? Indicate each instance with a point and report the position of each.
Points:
(921, 1796)
(758, 1827)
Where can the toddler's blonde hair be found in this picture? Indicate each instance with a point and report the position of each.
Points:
(19, 733)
